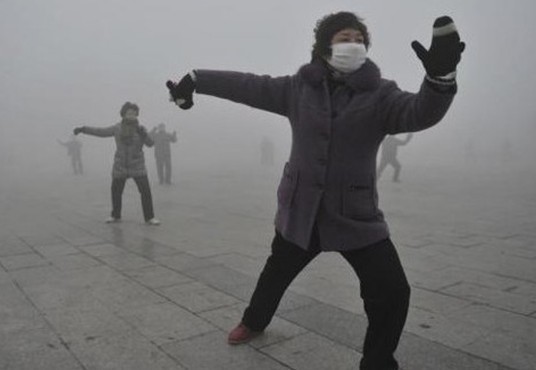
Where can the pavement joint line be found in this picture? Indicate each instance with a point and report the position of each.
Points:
(315, 301)
(511, 277)
(141, 334)
(473, 355)
(162, 295)
(47, 264)
(260, 349)
(49, 325)
(437, 292)
(312, 330)
(487, 304)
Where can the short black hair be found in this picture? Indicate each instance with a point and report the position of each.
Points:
(127, 106)
(329, 25)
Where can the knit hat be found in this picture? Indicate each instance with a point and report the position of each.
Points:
(128, 105)
(329, 25)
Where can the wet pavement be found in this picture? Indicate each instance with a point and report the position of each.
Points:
(81, 294)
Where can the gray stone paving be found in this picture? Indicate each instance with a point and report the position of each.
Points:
(81, 294)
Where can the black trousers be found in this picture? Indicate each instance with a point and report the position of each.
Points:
(142, 182)
(393, 162)
(163, 168)
(384, 290)
(76, 163)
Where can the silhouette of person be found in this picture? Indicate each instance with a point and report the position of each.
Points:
(162, 152)
(267, 152)
(389, 152)
(74, 150)
(129, 161)
(339, 108)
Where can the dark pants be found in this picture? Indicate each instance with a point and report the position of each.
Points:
(142, 182)
(163, 168)
(384, 290)
(76, 163)
(393, 162)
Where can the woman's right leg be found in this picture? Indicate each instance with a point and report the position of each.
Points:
(118, 185)
(283, 265)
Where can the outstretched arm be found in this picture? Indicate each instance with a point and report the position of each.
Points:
(96, 131)
(263, 92)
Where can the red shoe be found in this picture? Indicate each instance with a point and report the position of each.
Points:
(242, 334)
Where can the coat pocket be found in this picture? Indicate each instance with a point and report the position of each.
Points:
(287, 186)
(358, 201)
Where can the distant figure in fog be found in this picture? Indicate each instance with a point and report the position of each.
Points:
(470, 151)
(389, 152)
(162, 152)
(267, 152)
(74, 150)
(129, 161)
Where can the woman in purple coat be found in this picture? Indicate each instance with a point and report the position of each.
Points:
(340, 109)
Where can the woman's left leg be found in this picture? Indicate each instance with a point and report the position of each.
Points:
(142, 182)
(385, 292)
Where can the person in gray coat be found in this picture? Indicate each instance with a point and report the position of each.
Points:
(74, 150)
(162, 152)
(129, 161)
(340, 109)
(389, 152)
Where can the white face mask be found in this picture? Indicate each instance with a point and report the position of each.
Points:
(347, 57)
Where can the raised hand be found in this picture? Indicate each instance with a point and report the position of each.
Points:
(182, 93)
(445, 50)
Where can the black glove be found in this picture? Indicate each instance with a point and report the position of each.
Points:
(78, 130)
(142, 131)
(445, 50)
(182, 92)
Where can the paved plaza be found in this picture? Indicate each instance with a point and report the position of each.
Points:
(77, 293)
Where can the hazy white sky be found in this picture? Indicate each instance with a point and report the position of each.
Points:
(71, 62)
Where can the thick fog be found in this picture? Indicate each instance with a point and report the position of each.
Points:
(68, 63)
(78, 285)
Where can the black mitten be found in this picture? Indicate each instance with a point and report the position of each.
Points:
(445, 50)
(182, 92)
(78, 130)
(142, 131)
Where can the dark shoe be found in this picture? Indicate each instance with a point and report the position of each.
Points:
(242, 334)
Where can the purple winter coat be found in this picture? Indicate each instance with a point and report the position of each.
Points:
(330, 177)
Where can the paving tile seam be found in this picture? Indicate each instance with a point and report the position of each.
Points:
(158, 346)
(262, 349)
(488, 304)
(195, 336)
(501, 366)
(359, 349)
(48, 263)
(166, 298)
(64, 343)
(111, 241)
(486, 271)
(512, 277)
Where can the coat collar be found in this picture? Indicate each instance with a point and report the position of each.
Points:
(365, 78)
